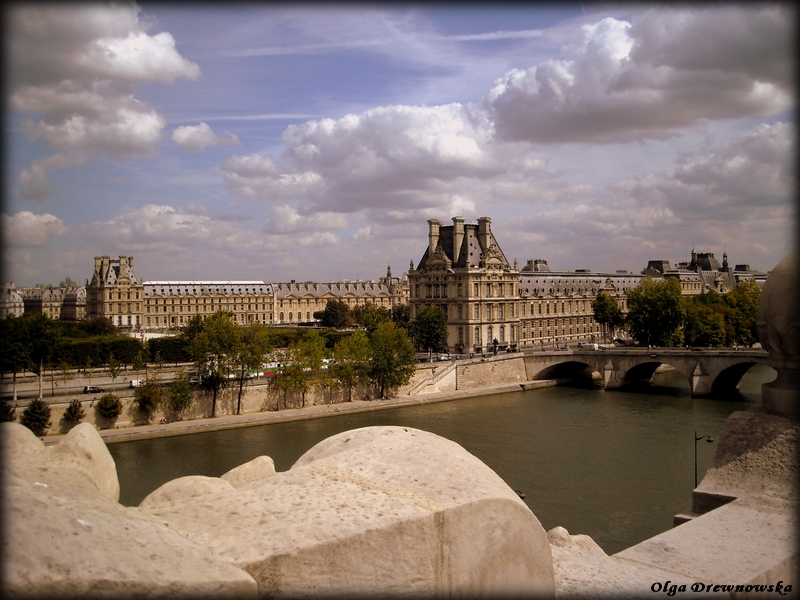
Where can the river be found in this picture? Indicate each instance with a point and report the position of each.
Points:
(615, 465)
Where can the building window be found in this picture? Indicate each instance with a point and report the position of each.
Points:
(477, 312)
(475, 290)
(460, 311)
(511, 311)
(460, 290)
(502, 334)
(488, 290)
(489, 335)
(460, 336)
(477, 335)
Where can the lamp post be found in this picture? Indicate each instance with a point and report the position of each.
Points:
(708, 439)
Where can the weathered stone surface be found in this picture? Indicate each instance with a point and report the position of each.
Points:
(185, 488)
(258, 468)
(64, 537)
(756, 455)
(377, 510)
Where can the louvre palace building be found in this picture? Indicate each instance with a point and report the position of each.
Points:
(463, 270)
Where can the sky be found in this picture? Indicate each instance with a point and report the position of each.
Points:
(225, 141)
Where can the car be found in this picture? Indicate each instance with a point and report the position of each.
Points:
(588, 346)
(92, 389)
(135, 383)
(194, 381)
(444, 357)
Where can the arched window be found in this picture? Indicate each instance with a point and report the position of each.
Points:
(290, 316)
(477, 336)
(281, 317)
(502, 334)
(489, 335)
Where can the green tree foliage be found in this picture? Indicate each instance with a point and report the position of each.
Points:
(393, 361)
(7, 412)
(99, 326)
(113, 367)
(66, 374)
(401, 315)
(172, 349)
(150, 396)
(108, 406)
(371, 315)
(704, 326)
(351, 361)
(36, 417)
(213, 350)
(254, 346)
(305, 358)
(74, 412)
(179, 393)
(744, 299)
(44, 336)
(656, 312)
(15, 349)
(429, 329)
(335, 314)
(607, 312)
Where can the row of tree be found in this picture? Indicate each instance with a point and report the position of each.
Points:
(659, 315)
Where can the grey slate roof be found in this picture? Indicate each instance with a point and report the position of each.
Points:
(471, 249)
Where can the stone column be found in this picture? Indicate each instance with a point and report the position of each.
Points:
(433, 235)
(779, 332)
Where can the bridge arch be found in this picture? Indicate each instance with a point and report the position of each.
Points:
(642, 373)
(728, 379)
(574, 371)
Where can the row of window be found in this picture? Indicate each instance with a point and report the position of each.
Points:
(440, 290)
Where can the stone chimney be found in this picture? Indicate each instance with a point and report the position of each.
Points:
(458, 236)
(98, 261)
(130, 263)
(484, 227)
(433, 235)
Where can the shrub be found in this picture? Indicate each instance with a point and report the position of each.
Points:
(180, 393)
(74, 412)
(36, 417)
(7, 412)
(109, 406)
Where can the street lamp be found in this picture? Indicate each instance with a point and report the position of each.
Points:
(708, 439)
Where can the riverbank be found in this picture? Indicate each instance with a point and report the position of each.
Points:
(140, 432)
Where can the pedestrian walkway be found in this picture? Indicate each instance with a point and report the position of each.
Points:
(140, 432)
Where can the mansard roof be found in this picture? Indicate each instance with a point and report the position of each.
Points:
(469, 255)
(569, 283)
(337, 289)
(152, 288)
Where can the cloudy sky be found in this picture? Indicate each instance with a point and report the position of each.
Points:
(225, 141)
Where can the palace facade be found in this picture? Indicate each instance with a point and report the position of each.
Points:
(487, 299)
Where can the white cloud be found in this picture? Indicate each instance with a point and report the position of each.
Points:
(35, 182)
(197, 138)
(28, 230)
(667, 69)
(287, 220)
(76, 66)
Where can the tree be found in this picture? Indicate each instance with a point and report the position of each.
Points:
(351, 361)
(36, 417)
(66, 374)
(137, 364)
(607, 312)
(744, 299)
(401, 315)
(149, 396)
(113, 367)
(74, 412)
(704, 326)
(305, 362)
(44, 337)
(179, 393)
(15, 351)
(108, 406)
(335, 314)
(255, 345)
(393, 361)
(656, 312)
(429, 329)
(213, 350)
(371, 315)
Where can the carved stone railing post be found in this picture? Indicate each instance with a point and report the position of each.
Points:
(779, 333)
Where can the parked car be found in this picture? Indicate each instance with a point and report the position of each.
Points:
(194, 380)
(92, 389)
(136, 383)
(588, 346)
(444, 357)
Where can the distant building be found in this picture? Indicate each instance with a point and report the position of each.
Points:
(11, 301)
(115, 292)
(46, 301)
(485, 298)
(704, 273)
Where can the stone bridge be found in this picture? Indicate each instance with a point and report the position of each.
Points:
(707, 371)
